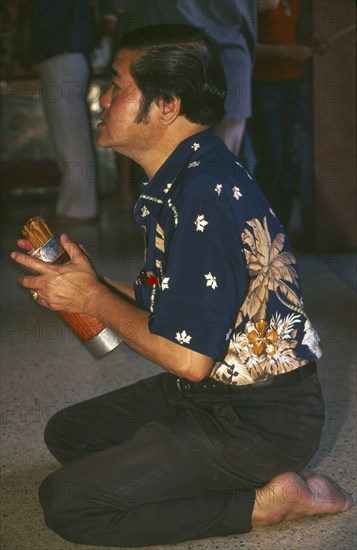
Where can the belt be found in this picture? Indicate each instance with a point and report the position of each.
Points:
(211, 386)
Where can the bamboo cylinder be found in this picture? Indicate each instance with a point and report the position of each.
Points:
(96, 337)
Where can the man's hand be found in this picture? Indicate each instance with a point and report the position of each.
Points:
(24, 244)
(68, 287)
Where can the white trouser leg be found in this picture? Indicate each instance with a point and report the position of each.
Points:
(64, 81)
(231, 132)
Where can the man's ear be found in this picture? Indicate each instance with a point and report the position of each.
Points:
(169, 110)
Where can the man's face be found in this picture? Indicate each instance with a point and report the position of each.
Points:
(121, 103)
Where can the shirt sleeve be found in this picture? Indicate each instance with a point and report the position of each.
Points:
(203, 281)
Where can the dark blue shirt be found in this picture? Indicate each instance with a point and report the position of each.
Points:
(219, 274)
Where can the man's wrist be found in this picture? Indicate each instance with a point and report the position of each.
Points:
(97, 298)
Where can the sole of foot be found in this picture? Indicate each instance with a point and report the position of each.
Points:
(292, 496)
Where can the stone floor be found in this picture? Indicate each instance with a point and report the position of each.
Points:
(44, 368)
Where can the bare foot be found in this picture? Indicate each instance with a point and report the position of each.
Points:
(306, 474)
(292, 496)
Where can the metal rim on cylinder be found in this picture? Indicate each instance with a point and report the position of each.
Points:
(103, 343)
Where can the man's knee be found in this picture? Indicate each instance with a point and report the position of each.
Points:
(55, 505)
(64, 508)
(78, 512)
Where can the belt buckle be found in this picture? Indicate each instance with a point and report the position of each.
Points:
(185, 389)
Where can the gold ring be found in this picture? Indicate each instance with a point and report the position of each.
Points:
(34, 294)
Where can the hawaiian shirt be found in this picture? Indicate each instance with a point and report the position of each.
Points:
(219, 276)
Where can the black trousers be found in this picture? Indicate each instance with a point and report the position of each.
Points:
(145, 465)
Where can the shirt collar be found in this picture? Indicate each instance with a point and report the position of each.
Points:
(184, 154)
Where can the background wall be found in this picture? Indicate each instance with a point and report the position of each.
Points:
(334, 116)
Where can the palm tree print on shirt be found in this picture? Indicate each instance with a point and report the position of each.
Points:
(263, 348)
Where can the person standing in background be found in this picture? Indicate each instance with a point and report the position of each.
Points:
(61, 35)
(275, 128)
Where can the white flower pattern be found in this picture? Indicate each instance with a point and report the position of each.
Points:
(236, 193)
(165, 283)
(218, 188)
(211, 281)
(195, 146)
(200, 223)
(183, 337)
(144, 212)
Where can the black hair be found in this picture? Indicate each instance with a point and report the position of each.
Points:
(178, 61)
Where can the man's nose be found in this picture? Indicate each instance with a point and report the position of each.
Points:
(105, 99)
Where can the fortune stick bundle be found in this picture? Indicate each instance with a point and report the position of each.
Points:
(46, 246)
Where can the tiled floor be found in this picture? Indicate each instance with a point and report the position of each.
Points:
(44, 368)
